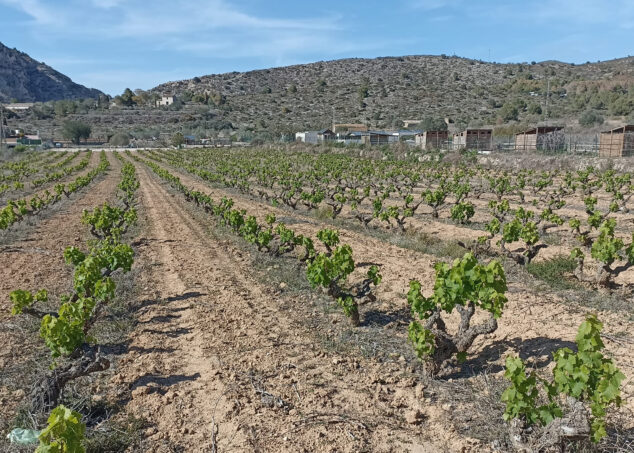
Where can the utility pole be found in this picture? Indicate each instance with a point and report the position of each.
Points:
(1, 125)
(333, 119)
(547, 98)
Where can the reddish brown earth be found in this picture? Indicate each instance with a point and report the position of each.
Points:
(226, 361)
(30, 190)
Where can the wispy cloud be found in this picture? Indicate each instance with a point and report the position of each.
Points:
(214, 25)
(39, 13)
(159, 17)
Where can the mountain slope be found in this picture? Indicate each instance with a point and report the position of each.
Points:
(28, 80)
(384, 91)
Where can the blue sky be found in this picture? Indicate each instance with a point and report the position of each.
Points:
(114, 44)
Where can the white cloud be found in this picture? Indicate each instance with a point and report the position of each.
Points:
(159, 17)
(40, 13)
(183, 31)
(213, 26)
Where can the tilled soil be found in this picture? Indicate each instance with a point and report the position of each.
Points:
(29, 190)
(220, 361)
(530, 322)
(532, 325)
(34, 260)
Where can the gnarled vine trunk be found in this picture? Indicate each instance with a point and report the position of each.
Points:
(48, 390)
(447, 345)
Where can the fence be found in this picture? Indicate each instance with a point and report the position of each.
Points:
(569, 143)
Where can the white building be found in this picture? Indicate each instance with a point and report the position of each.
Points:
(166, 99)
(307, 137)
(19, 106)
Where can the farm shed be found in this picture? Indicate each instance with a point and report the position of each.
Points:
(315, 137)
(191, 140)
(30, 140)
(546, 138)
(376, 138)
(306, 137)
(478, 139)
(432, 139)
(617, 142)
(325, 135)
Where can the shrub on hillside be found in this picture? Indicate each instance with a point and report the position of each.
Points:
(590, 118)
(120, 139)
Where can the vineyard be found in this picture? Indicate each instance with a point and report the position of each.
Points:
(274, 300)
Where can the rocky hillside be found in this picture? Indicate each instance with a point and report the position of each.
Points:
(384, 91)
(26, 80)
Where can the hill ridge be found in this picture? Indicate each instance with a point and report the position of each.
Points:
(25, 79)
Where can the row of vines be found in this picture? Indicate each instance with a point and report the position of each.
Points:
(585, 383)
(513, 210)
(516, 206)
(67, 329)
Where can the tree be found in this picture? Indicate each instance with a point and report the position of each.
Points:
(178, 139)
(509, 112)
(364, 90)
(64, 107)
(511, 109)
(535, 109)
(75, 131)
(433, 124)
(127, 97)
(216, 98)
(120, 139)
(622, 106)
(140, 97)
(590, 118)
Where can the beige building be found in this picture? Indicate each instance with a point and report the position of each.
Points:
(543, 138)
(19, 106)
(617, 142)
(432, 139)
(476, 139)
(166, 99)
(338, 128)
